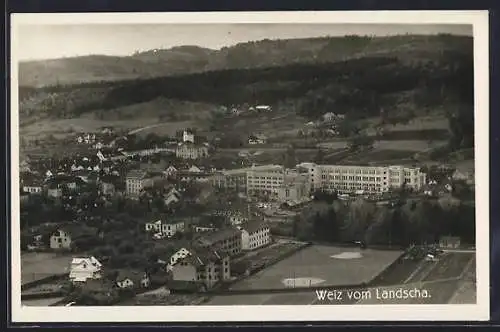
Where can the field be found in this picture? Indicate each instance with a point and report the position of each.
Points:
(314, 266)
(430, 122)
(35, 266)
(449, 280)
(179, 114)
(445, 281)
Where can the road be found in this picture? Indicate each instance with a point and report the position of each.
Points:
(135, 131)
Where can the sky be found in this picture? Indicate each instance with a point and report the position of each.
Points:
(36, 42)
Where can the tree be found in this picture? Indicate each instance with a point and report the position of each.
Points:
(289, 157)
(359, 217)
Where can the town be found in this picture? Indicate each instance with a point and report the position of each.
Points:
(122, 216)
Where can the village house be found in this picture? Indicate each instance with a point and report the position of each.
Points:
(65, 181)
(194, 169)
(257, 139)
(179, 254)
(171, 196)
(332, 117)
(132, 279)
(191, 151)
(63, 237)
(464, 174)
(137, 180)
(36, 242)
(84, 268)
(170, 171)
(254, 235)
(32, 185)
(187, 136)
(167, 229)
(207, 267)
(227, 239)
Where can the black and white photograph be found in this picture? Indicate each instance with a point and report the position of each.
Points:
(250, 166)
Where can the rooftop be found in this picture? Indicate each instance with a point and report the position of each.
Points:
(137, 174)
(214, 237)
(253, 226)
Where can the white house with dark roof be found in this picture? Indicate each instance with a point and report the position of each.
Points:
(32, 185)
(84, 268)
(132, 279)
(254, 235)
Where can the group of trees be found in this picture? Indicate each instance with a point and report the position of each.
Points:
(414, 222)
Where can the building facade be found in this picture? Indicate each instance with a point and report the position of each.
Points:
(191, 151)
(265, 181)
(254, 235)
(208, 268)
(136, 181)
(60, 239)
(369, 179)
(167, 229)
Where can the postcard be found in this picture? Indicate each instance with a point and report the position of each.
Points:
(250, 166)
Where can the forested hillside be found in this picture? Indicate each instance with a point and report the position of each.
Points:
(255, 54)
(440, 79)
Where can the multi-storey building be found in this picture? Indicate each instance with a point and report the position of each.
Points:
(237, 178)
(254, 235)
(265, 181)
(280, 183)
(368, 179)
(227, 239)
(191, 151)
(295, 188)
(207, 267)
(137, 180)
